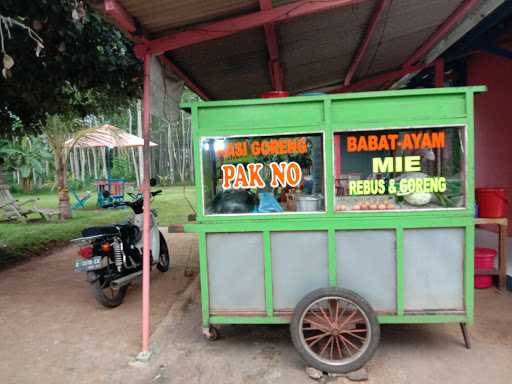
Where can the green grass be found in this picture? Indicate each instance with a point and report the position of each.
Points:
(19, 239)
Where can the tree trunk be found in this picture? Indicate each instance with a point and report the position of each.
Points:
(77, 164)
(60, 171)
(47, 169)
(82, 164)
(177, 158)
(2, 178)
(135, 166)
(95, 163)
(169, 152)
(88, 161)
(183, 148)
(191, 150)
(71, 166)
(28, 184)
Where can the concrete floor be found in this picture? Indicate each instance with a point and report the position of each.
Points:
(52, 331)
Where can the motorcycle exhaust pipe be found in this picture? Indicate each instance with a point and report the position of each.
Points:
(125, 280)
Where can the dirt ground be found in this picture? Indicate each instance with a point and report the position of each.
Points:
(407, 353)
(52, 331)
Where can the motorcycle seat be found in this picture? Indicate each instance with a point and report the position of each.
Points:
(108, 230)
(127, 231)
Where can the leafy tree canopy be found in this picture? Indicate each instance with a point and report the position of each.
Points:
(86, 66)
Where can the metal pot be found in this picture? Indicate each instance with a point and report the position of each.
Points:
(308, 203)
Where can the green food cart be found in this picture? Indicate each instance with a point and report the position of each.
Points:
(335, 214)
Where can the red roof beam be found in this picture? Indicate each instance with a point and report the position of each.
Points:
(381, 79)
(119, 16)
(379, 10)
(227, 27)
(124, 21)
(190, 84)
(274, 66)
(452, 20)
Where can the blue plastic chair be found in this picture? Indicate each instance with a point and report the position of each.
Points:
(80, 200)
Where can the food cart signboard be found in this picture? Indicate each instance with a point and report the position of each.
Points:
(400, 169)
(263, 174)
(249, 175)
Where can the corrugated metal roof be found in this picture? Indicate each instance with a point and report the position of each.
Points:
(405, 26)
(161, 16)
(229, 68)
(315, 50)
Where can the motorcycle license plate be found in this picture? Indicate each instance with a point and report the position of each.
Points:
(88, 265)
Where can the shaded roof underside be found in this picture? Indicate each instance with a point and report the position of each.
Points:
(315, 50)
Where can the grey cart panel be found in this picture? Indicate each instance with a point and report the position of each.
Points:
(433, 269)
(366, 264)
(236, 271)
(299, 266)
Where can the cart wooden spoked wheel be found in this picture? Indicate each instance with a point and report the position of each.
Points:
(335, 330)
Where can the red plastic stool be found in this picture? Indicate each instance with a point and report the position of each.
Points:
(484, 259)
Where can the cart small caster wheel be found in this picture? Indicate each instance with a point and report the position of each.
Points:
(335, 330)
(211, 333)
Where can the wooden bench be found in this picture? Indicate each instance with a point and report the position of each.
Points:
(12, 209)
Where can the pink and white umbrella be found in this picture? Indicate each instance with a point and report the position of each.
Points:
(107, 136)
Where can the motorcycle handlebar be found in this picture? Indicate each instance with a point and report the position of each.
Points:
(115, 204)
(128, 203)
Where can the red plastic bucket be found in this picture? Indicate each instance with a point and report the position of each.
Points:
(484, 259)
(492, 202)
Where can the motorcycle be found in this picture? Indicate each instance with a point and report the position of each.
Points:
(112, 255)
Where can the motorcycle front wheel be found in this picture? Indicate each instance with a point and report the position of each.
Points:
(164, 262)
(108, 296)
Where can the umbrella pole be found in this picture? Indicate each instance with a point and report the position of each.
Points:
(110, 164)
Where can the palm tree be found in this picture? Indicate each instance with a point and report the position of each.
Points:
(57, 129)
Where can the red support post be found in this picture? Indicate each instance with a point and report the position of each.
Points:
(379, 10)
(440, 32)
(146, 267)
(274, 66)
(222, 28)
(439, 73)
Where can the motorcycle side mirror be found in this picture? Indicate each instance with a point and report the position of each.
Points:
(106, 194)
(152, 182)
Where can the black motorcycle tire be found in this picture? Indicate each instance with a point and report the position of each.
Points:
(108, 302)
(164, 262)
